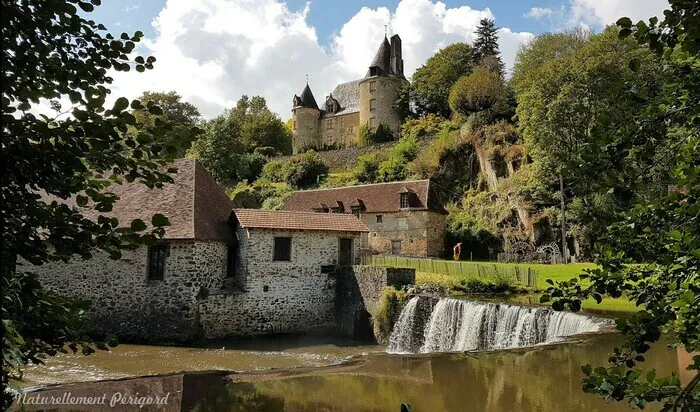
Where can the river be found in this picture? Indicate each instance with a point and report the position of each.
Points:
(315, 374)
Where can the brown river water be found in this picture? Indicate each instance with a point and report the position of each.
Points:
(312, 374)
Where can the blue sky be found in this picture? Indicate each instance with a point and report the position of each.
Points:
(213, 51)
(326, 16)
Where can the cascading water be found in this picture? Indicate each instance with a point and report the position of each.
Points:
(462, 325)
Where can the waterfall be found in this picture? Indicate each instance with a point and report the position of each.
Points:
(462, 325)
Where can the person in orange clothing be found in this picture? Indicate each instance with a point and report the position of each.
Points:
(457, 250)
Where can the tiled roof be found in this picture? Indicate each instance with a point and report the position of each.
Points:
(375, 198)
(195, 205)
(382, 59)
(348, 96)
(267, 219)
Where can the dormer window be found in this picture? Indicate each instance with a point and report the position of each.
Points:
(404, 200)
(356, 211)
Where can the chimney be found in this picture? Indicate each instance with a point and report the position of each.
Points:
(396, 59)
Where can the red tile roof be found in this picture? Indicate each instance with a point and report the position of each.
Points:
(267, 219)
(375, 198)
(195, 205)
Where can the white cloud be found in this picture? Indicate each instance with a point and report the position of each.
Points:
(133, 7)
(214, 51)
(596, 13)
(539, 13)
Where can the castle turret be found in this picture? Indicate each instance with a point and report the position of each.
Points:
(305, 121)
(379, 90)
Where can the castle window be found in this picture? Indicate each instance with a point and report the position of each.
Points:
(373, 122)
(330, 124)
(294, 124)
(282, 249)
(156, 261)
(372, 104)
(404, 200)
(372, 86)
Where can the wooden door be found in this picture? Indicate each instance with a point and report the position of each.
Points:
(345, 251)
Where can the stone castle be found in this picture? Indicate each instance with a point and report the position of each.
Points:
(367, 101)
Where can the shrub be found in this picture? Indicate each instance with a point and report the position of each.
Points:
(268, 151)
(396, 167)
(275, 171)
(389, 303)
(367, 169)
(306, 170)
(251, 167)
(422, 126)
(367, 136)
(478, 92)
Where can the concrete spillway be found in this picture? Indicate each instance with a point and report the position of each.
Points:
(462, 325)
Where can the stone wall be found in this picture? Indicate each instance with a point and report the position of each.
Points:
(127, 303)
(340, 130)
(357, 295)
(278, 297)
(385, 94)
(423, 235)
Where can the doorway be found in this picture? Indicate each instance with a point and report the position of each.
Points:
(345, 251)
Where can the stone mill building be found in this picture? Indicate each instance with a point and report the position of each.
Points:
(367, 101)
(220, 272)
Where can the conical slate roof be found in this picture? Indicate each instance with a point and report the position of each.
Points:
(307, 98)
(382, 60)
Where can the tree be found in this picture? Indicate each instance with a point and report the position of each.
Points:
(367, 168)
(652, 252)
(432, 81)
(51, 52)
(478, 92)
(182, 116)
(259, 127)
(485, 48)
(574, 89)
(306, 170)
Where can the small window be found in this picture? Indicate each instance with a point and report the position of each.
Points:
(282, 249)
(356, 211)
(403, 225)
(372, 104)
(404, 201)
(330, 124)
(373, 122)
(372, 86)
(294, 124)
(156, 261)
(380, 218)
(395, 247)
(231, 262)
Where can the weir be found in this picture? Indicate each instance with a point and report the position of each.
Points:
(462, 325)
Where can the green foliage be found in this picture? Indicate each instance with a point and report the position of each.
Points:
(367, 169)
(261, 194)
(234, 144)
(432, 82)
(387, 308)
(485, 47)
(423, 126)
(182, 117)
(50, 52)
(478, 92)
(651, 252)
(367, 136)
(301, 171)
(395, 168)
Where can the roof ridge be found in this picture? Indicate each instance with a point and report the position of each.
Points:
(296, 212)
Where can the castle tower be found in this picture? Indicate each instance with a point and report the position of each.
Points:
(305, 121)
(380, 87)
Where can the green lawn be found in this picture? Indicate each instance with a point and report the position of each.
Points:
(446, 273)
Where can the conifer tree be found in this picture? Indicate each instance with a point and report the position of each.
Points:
(485, 48)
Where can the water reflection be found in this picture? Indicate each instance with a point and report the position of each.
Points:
(546, 378)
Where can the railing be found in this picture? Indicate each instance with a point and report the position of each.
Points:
(517, 274)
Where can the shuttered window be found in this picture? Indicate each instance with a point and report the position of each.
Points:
(156, 261)
(282, 250)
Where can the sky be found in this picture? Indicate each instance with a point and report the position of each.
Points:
(213, 51)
